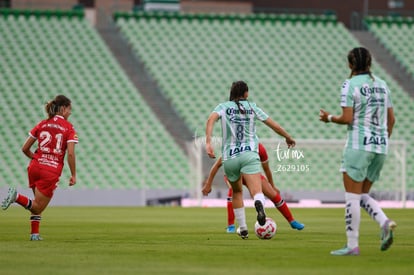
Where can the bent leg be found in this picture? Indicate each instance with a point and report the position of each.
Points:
(39, 203)
(270, 192)
(371, 206)
(253, 182)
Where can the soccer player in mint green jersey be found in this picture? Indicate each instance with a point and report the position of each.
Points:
(240, 149)
(367, 110)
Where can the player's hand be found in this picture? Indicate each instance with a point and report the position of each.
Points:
(206, 189)
(323, 115)
(210, 150)
(290, 142)
(72, 180)
(276, 189)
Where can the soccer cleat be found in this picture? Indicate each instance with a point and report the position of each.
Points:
(231, 229)
(35, 237)
(297, 225)
(261, 216)
(346, 252)
(244, 234)
(11, 197)
(387, 234)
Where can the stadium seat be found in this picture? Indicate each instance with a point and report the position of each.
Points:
(282, 58)
(397, 35)
(61, 53)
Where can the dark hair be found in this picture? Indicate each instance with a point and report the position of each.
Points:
(238, 88)
(53, 107)
(360, 60)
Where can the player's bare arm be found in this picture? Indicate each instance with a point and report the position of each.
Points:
(345, 118)
(280, 131)
(27, 145)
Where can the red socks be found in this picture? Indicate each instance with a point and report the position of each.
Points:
(34, 219)
(277, 200)
(24, 201)
(35, 223)
(282, 207)
(230, 211)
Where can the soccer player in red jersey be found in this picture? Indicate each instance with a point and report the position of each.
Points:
(268, 187)
(55, 136)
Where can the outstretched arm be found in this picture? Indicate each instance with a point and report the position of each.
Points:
(268, 173)
(280, 131)
(213, 171)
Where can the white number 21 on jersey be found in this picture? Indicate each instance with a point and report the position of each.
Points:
(46, 139)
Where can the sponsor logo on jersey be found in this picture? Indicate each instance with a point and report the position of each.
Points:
(375, 140)
(232, 111)
(235, 119)
(240, 149)
(367, 91)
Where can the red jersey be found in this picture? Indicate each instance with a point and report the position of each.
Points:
(52, 136)
(263, 153)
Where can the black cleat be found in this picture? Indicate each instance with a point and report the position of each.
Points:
(244, 234)
(261, 216)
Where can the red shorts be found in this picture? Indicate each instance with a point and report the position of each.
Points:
(45, 181)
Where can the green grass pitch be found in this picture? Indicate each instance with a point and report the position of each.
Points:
(174, 240)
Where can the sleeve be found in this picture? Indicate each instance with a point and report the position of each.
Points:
(72, 135)
(347, 97)
(263, 153)
(218, 110)
(34, 133)
(260, 114)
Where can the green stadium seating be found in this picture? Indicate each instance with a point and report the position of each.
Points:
(122, 143)
(397, 35)
(194, 58)
(294, 66)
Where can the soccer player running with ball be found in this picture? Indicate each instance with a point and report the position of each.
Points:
(240, 149)
(367, 110)
(55, 136)
(268, 187)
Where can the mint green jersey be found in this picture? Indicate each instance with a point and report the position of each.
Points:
(370, 100)
(239, 130)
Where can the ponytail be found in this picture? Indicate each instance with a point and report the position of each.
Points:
(360, 61)
(53, 107)
(237, 91)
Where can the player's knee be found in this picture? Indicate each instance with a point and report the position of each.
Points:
(37, 209)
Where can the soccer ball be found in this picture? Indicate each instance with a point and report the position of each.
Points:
(267, 231)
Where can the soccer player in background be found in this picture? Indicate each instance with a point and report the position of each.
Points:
(368, 112)
(240, 149)
(55, 136)
(268, 187)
